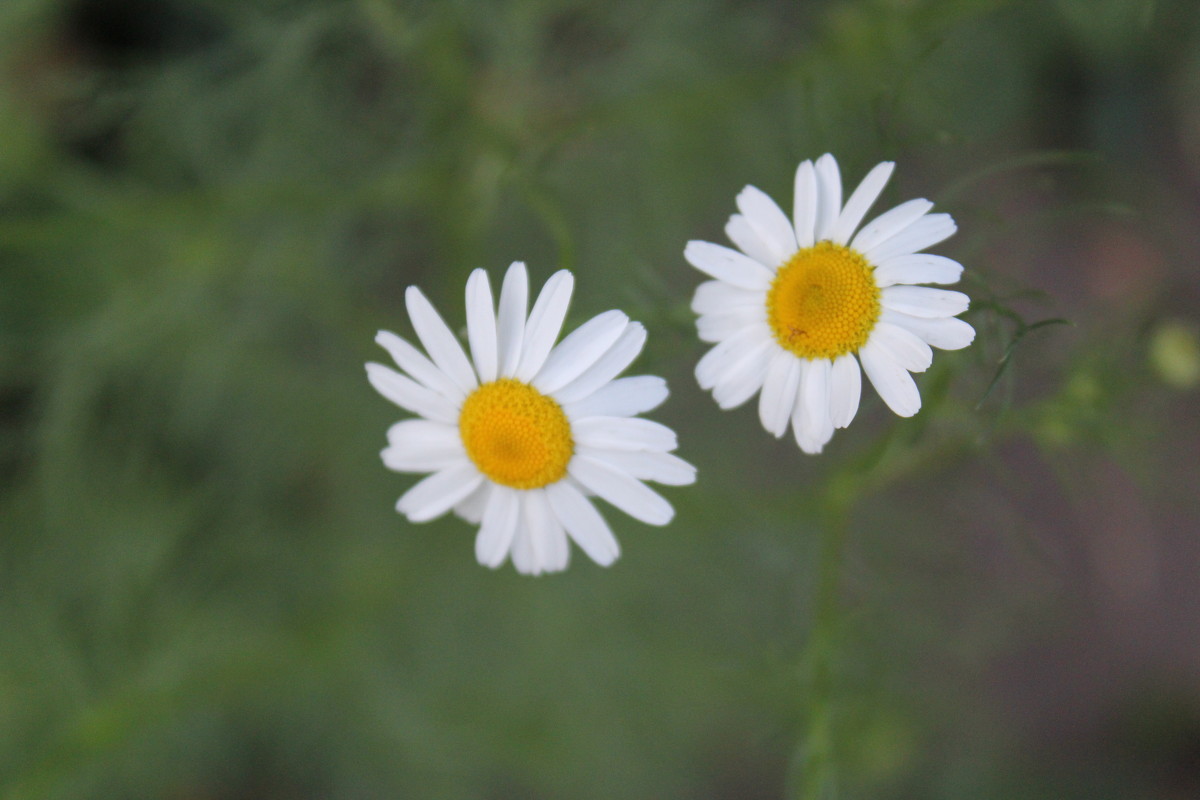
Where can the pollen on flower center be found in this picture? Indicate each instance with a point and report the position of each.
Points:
(823, 302)
(516, 435)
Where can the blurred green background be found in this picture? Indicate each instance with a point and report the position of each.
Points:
(208, 208)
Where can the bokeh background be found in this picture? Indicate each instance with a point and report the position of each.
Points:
(208, 208)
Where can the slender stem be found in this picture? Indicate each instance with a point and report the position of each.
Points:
(813, 765)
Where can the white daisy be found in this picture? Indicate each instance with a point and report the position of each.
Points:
(805, 296)
(522, 433)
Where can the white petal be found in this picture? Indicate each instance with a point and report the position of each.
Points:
(481, 326)
(903, 346)
(769, 221)
(889, 223)
(804, 210)
(860, 202)
(728, 265)
(580, 350)
(524, 558)
(745, 377)
(410, 395)
(778, 396)
(510, 322)
(742, 234)
(664, 468)
(622, 490)
(608, 366)
(414, 362)
(714, 297)
(891, 381)
(623, 397)
(945, 333)
(550, 550)
(438, 493)
(419, 445)
(438, 341)
(924, 301)
(545, 322)
(917, 268)
(713, 365)
(406, 461)
(497, 527)
(471, 507)
(925, 232)
(811, 422)
(845, 389)
(829, 196)
(583, 522)
(623, 433)
(715, 327)
(424, 435)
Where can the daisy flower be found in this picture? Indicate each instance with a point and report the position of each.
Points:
(808, 300)
(519, 436)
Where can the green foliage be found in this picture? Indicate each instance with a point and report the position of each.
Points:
(208, 208)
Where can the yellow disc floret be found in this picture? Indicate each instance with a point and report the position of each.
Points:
(516, 435)
(823, 302)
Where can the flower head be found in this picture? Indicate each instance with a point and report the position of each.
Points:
(809, 299)
(518, 436)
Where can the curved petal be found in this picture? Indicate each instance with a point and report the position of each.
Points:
(891, 381)
(728, 265)
(510, 321)
(481, 326)
(713, 365)
(811, 423)
(917, 268)
(414, 362)
(583, 522)
(804, 208)
(903, 346)
(623, 433)
(550, 550)
(621, 490)
(713, 328)
(769, 221)
(742, 233)
(829, 196)
(845, 390)
(924, 301)
(665, 468)
(925, 232)
(944, 333)
(420, 445)
(524, 558)
(545, 322)
(714, 297)
(410, 395)
(498, 526)
(470, 508)
(438, 493)
(744, 377)
(889, 224)
(860, 202)
(438, 341)
(580, 350)
(424, 435)
(778, 396)
(611, 364)
(623, 397)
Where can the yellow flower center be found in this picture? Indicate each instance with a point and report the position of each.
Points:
(823, 302)
(516, 435)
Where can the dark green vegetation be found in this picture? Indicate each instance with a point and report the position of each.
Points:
(208, 208)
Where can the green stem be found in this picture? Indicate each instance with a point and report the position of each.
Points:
(813, 765)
